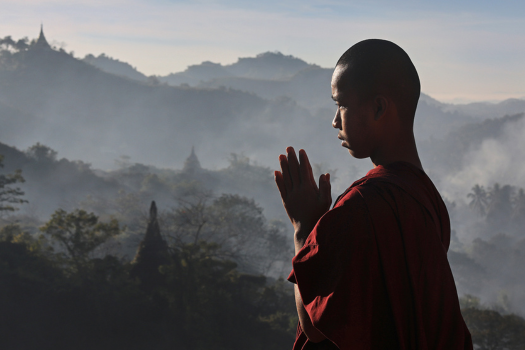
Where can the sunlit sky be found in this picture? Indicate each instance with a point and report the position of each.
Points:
(464, 50)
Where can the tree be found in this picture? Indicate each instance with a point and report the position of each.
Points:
(10, 195)
(518, 214)
(42, 153)
(216, 306)
(500, 203)
(20, 45)
(478, 201)
(492, 331)
(235, 223)
(79, 233)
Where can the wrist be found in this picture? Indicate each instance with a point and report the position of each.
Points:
(300, 236)
(302, 230)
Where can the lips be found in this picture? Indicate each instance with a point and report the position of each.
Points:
(343, 141)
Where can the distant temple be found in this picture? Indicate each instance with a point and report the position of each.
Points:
(41, 43)
(192, 164)
(152, 253)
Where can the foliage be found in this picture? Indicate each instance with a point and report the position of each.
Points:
(500, 204)
(233, 222)
(478, 201)
(10, 195)
(79, 234)
(19, 45)
(73, 299)
(469, 301)
(491, 330)
(41, 153)
(229, 309)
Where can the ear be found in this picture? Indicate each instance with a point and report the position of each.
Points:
(380, 107)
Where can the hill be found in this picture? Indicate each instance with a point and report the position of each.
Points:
(450, 154)
(266, 66)
(96, 116)
(114, 66)
(489, 110)
(257, 107)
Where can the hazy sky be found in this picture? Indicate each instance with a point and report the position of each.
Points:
(464, 50)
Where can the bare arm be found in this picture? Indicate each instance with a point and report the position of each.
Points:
(304, 203)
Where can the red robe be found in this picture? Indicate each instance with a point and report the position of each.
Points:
(373, 273)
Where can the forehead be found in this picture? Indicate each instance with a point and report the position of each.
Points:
(342, 84)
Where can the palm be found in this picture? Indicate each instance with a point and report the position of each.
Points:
(303, 201)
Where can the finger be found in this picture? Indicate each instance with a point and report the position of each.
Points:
(306, 169)
(293, 165)
(279, 180)
(325, 189)
(283, 161)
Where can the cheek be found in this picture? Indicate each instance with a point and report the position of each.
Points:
(354, 126)
(357, 133)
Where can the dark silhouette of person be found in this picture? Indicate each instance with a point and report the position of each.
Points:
(372, 272)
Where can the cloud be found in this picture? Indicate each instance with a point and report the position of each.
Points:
(499, 160)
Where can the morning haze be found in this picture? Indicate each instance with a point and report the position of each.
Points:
(95, 133)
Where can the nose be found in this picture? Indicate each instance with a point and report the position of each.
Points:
(336, 123)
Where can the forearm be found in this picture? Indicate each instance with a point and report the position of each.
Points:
(300, 237)
(308, 328)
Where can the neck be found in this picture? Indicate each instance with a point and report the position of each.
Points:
(399, 149)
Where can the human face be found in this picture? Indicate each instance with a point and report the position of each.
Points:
(354, 116)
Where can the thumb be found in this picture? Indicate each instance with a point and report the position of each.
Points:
(325, 189)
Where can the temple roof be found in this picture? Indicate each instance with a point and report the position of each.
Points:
(192, 163)
(151, 253)
(41, 42)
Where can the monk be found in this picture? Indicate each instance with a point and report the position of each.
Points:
(372, 272)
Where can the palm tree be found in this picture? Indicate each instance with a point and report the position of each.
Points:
(518, 213)
(500, 203)
(479, 200)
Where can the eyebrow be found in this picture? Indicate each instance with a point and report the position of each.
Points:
(333, 98)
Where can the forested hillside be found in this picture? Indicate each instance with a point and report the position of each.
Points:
(86, 260)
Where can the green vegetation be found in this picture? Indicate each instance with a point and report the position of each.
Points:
(500, 204)
(198, 279)
(60, 291)
(204, 275)
(199, 276)
(490, 329)
(9, 195)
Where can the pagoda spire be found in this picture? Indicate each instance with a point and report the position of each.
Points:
(192, 164)
(151, 253)
(41, 42)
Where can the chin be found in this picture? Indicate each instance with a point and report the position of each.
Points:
(358, 155)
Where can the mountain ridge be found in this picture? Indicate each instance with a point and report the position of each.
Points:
(209, 74)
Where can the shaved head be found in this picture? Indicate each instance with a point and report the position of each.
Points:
(372, 67)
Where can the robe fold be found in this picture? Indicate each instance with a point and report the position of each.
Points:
(374, 274)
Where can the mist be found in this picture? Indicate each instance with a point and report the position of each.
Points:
(116, 132)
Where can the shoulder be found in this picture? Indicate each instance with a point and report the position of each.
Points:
(361, 192)
(349, 216)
